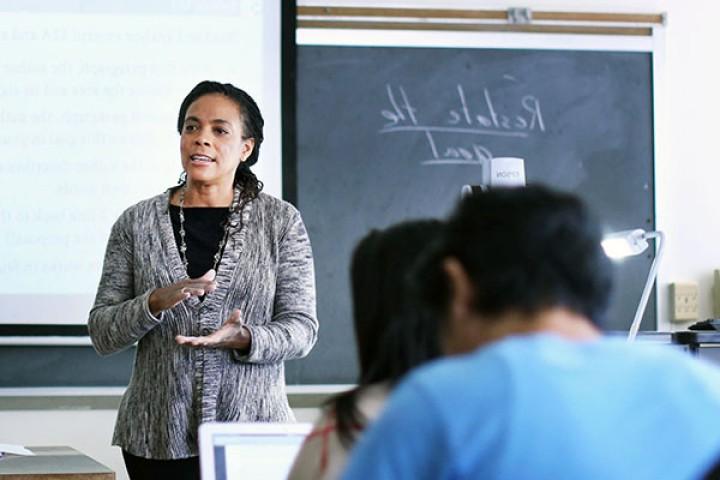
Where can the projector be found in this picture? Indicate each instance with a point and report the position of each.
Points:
(500, 172)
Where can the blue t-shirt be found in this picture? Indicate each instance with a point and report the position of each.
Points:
(542, 407)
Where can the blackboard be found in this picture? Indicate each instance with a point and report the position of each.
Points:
(63, 366)
(58, 356)
(392, 133)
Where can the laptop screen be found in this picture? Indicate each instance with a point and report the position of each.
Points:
(250, 451)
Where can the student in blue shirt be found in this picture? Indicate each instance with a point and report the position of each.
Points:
(532, 389)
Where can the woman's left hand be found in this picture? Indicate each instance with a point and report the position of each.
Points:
(232, 334)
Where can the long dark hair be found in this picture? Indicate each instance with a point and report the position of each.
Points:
(252, 121)
(392, 334)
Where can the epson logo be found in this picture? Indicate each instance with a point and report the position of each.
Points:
(508, 174)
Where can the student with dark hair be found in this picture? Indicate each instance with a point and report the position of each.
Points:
(392, 336)
(214, 281)
(533, 390)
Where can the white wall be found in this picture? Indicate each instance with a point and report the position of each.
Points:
(686, 169)
(88, 431)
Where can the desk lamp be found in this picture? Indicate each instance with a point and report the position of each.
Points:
(630, 243)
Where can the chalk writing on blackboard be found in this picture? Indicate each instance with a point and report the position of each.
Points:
(469, 118)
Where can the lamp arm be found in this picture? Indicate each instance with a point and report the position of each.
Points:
(660, 244)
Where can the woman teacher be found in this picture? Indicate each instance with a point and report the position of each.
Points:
(214, 281)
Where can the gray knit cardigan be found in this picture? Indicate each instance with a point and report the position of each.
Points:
(266, 271)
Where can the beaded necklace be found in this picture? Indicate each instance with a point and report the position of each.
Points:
(226, 228)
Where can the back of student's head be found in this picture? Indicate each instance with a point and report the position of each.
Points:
(392, 334)
(524, 250)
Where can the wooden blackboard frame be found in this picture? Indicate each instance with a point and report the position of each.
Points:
(508, 20)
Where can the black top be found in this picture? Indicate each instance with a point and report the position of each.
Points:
(204, 227)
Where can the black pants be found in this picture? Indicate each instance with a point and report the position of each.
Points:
(139, 468)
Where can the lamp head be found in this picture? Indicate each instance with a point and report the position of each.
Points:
(626, 243)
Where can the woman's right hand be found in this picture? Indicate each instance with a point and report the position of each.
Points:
(167, 297)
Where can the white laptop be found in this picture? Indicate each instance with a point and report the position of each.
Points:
(249, 451)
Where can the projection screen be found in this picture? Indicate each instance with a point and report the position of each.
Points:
(89, 95)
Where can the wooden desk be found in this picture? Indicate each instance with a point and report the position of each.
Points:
(53, 463)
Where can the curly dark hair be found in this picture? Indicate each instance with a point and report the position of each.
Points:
(252, 122)
(524, 249)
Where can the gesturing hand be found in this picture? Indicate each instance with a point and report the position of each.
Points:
(167, 297)
(232, 334)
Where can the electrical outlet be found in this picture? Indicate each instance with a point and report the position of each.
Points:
(684, 297)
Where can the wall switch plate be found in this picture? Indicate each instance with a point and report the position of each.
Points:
(685, 303)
